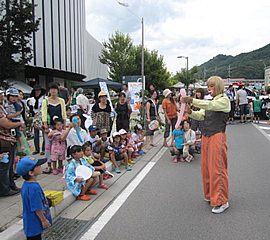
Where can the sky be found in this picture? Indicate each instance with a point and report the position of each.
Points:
(199, 29)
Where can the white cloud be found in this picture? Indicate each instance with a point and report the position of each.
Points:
(195, 28)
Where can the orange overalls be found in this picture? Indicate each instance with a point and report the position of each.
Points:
(214, 168)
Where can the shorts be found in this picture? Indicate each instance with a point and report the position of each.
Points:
(257, 114)
(180, 152)
(119, 157)
(96, 164)
(243, 109)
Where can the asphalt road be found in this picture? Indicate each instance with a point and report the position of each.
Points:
(168, 203)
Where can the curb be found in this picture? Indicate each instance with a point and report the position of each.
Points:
(15, 231)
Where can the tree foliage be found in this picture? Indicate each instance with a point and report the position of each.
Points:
(124, 59)
(187, 77)
(118, 55)
(17, 26)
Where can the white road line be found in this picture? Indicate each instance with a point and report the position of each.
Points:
(266, 128)
(97, 227)
(263, 132)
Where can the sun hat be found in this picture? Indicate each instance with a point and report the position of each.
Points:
(102, 93)
(104, 130)
(37, 88)
(27, 164)
(166, 92)
(12, 92)
(122, 131)
(115, 134)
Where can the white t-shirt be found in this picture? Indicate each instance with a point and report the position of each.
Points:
(242, 95)
(82, 101)
(72, 138)
(190, 137)
(93, 140)
(31, 102)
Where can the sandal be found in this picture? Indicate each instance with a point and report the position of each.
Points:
(55, 172)
(103, 186)
(92, 192)
(83, 198)
(175, 160)
(47, 171)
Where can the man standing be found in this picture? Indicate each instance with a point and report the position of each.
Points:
(231, 95)
(242, 103)
(127, 92)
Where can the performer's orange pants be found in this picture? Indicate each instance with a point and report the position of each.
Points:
(214, 168)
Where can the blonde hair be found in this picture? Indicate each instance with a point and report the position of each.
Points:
(216, 82)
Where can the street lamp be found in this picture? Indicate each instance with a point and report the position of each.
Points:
(123, 4)
(187, 64)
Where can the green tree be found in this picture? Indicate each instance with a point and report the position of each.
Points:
(155, 70)
(118, 55)
(124, 59)
(17, 25)
(187, 78)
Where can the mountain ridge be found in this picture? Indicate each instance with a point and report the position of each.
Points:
(249, 65)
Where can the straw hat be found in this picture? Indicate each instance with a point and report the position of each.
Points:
(102, 93)
(166, 92)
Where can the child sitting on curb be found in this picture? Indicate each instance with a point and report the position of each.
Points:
(178, 143)
(189, 145)
(36, 211)
(118, 153)
(98, 165)
(78, 186)
(125, 141)
(138, 138)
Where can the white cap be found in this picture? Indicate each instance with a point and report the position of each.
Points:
(115, 134)
(122, 131)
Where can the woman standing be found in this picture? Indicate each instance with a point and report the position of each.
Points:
(123, 110)
(214, 163)
(102, 112)
(7, 147)
(35, 103)
(151, 111)
(195, 124)
(53, 106)
(170, 112)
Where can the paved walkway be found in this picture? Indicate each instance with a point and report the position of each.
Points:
(11, 207)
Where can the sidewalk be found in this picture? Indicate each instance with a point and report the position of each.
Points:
(11, 207)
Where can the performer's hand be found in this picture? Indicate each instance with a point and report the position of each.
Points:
(188, 109)
(186, 99)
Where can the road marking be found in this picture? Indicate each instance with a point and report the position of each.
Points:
(263, 132)
(266, 128)
(97, 227)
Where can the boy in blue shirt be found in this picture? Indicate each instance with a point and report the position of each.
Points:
(178, 143)
(36, 211)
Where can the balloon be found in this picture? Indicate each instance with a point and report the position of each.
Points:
(182, 108)
(75, 120)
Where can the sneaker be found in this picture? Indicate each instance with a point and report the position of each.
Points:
(131, 162)
(220, 209)
(116, 170)
(128, 168)
(42, 153)
(141, 152)
(35, 153)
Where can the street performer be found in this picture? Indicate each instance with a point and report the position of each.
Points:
(214, 166)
